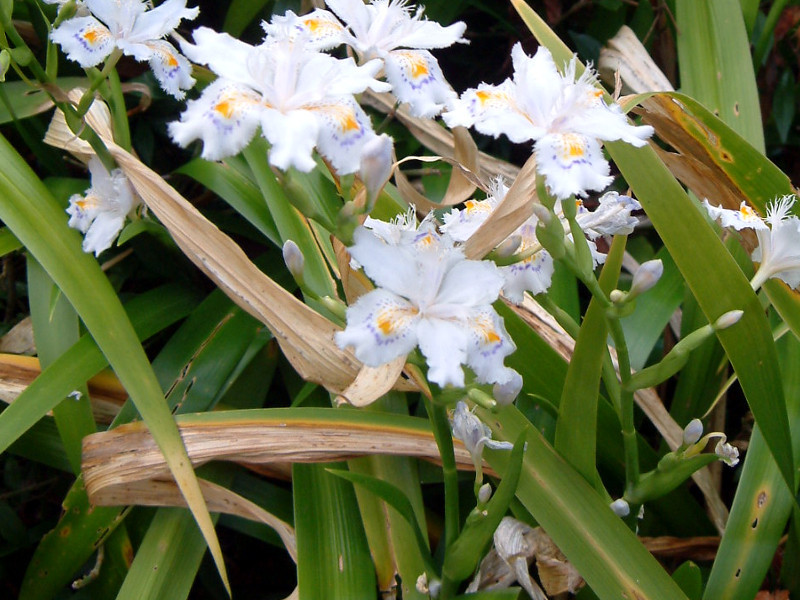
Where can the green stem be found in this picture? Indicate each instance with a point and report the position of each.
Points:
(444, 440)
(97, 81)
(18, 42)
(626, 405)
(116, 102)
(766, 33)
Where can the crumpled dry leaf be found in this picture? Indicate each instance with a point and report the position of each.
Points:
(305, 337)
(625, 54)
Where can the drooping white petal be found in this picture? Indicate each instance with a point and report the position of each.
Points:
(444, 345)
(612, 217)
(417, 80)
(354, 13)
(344, 130)
(100, 215)
(120, 15)
(489, 344)
(380, 327)
(493, 110)
(572, 164)
(293, 135)
(744, 218)
(427, 35)
(225, 118)
(222, 53)
(393, 267)
(161, 20)
(85, 40)
(172, 70)
(779, 251)
(534, 275)
(470, 283)
(323, 29)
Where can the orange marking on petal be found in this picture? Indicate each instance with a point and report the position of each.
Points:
(225, 108)
(172, 62)
(92, 35)
(572, 147)
(385, 324)
(747, 212)
(483, 96)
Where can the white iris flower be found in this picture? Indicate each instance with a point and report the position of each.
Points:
(136, 31)
(100, 213)
(778, 250)
(300, 98)
(564, 116)
(428, 295)
(389, 31)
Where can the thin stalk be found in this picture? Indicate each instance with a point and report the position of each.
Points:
(766, 33)
(626, 405)
(119, 113)
(108, 68)
(444, 440)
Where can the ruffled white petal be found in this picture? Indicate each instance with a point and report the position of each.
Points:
(572, 164)
(293, 135)
(344, 130)
(85, 40)
(534, 275)
(417, 80)
(322, 28)
(744, 218)
(119, 15)
(470, 283)
(354, 13)
(223, 54)
(612, 217)
(444, 345)
(380, 327)
(161, 20)
(172, 70)
(225, 118)
(489, 344)
(493, 110)
(103, 231)
(427, 35)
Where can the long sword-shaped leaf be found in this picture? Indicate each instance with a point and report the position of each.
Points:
(710, 272)
(29, 210)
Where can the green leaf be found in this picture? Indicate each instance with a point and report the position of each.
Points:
(576, 429)
(333, 560)
(715, 64)
(689, 577)
(238, 191)
(42, 228)
(27, 101)
(240, 14)
(463, 556)
(394, 497)
(149, 312)
(8, 242)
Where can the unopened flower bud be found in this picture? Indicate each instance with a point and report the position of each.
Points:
(542, 213)
(646, 276)
(692, 432)
(506, 393)
(727, 319)
(727, 453)
(620, 507)
(293, 257)
(485, 493)
(509, 246)
(617, 296)
(376, 166)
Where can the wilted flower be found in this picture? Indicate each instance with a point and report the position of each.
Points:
(387, 30)
(727, 453)
(476, 436)
(565, 116)
(778, 235)
(429, 295)
(301, 99)
(136, 31)
(100, 213)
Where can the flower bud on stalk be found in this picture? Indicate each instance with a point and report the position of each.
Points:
(646, 276)
(376, 167)
(294, 259)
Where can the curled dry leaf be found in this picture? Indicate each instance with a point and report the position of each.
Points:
(515, 208)
(625, 54)
(218, 499)
(440, 140)
(305, 337)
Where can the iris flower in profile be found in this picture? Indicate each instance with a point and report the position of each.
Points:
(138, 32)
(564, 115)
(300, 98)
(388, 30)
(428, 295)
(778, 234)
(100, 213)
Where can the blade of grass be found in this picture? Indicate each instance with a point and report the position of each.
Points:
(42, 228)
